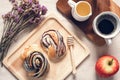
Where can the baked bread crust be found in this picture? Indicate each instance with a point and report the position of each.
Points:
(52, 42)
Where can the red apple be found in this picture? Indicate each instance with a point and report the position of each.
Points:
(107, 66)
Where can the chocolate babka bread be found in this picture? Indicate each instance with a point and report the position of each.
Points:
(52, 41)
(35, 64)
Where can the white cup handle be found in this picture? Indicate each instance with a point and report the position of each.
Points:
(71, 3)
(108, 41)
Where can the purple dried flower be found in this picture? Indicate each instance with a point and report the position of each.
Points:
(7, 15)
(13, 16)
(37, 20)
(25, 0)
(36, 10)
(30, 1)
(16, 19)
(31, 21)
(44, 10)
(20, 10)
(9, 32)
(12, 1)
(24, 14)
(37, 6)
(3, 16)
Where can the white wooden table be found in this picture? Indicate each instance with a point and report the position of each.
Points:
(86, 70)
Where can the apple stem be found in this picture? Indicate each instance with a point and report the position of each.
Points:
(110, 63)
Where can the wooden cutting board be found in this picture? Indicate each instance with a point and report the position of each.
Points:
(98, 6)
(59, 70)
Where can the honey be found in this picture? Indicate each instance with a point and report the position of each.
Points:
(83, 9)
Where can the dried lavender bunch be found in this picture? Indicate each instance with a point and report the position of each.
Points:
(24, 14)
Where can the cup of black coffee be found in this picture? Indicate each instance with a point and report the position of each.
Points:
(106, 25)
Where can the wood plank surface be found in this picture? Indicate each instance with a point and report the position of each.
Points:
(98, 6)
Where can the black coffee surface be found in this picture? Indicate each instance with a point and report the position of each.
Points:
(105, 26)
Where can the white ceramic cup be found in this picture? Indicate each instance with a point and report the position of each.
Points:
(74, 12)
(114, 19)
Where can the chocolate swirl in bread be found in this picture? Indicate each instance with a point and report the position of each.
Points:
(34, 61)
(36, 64)
(52, 42)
